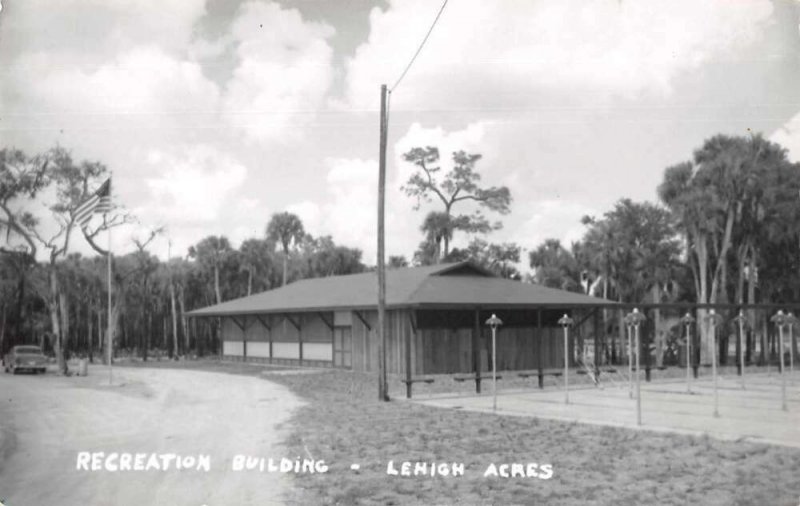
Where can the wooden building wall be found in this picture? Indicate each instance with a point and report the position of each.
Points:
(448, 351)
(275, 339)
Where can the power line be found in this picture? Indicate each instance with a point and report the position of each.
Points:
(419, 48)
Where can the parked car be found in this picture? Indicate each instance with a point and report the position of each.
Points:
(25, 357)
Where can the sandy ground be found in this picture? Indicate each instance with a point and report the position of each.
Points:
(45, 421)
(751, 414)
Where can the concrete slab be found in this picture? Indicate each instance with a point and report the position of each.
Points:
(753, 414)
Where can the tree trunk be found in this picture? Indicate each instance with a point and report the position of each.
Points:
(111, 331)
(216, 284)
(101, 347)
(89, 332)
(20, 306)
(52, 306)
(186, 336)
(148, 332)
(701, 251)
(751, 299)
(64, 307)
(659, 332)
(249, 282)
(174, 350)
(3, 333)
(285, 265)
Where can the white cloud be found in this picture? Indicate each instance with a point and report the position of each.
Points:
(142, 82)
(788, 136)
(284, 72)
(193, 186)
(554, 219)
(89, 32)
(311, 216)
(502, 52)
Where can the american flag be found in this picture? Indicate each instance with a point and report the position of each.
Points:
(99, 202)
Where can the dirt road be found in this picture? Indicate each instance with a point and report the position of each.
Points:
(46, 421)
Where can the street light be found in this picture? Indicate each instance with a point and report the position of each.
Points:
(792, 320)
(741, 320)
(780, 321)
(687, 320)
(629, 328)
(634, 319)
(566, 322)
(714, 319)
(494, 322)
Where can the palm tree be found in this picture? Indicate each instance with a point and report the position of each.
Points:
(285, 228)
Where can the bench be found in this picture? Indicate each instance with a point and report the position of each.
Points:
(418, 380)
(462, 379)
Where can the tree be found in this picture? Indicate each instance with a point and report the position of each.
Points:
(257, 262)
(460, 184)
(709, 196)
(285, 228)
(554, 266)
(211, 253)
(322, 257)
(396, 262)
(71, 184)
(498, 258)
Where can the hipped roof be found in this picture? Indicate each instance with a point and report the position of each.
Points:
(452, 285)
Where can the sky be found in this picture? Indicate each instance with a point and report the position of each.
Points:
(213, 115)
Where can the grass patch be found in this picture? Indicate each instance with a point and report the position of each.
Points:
(343, 423)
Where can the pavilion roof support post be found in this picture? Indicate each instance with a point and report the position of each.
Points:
(295, 324)
(408, 350)
(646, 346)
(476, 349)
(539, 361)
(244, 338)
(597, 347)
(269, 338)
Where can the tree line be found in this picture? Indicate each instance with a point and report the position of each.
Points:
(725, 230)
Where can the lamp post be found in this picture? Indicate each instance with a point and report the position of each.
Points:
(780, 321)
(634, 319)
(494, 322)
(713, 319)
(687, 321)
(629, 327)
(741, 319)
(792, 320)
(566, 322)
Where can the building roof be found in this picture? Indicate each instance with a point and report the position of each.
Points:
(452, 285)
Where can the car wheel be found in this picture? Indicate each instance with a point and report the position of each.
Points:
(14, 370)
(42, 371)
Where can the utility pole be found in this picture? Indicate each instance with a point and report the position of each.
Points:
(383, 391)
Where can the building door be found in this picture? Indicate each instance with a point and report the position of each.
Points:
(342, 347)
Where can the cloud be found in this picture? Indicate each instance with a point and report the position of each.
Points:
(548, 219)
(87, 33)
(283, 74)
(194, 184)
(198, 192)
(788, 136)
(141, 83)
(496, 54)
